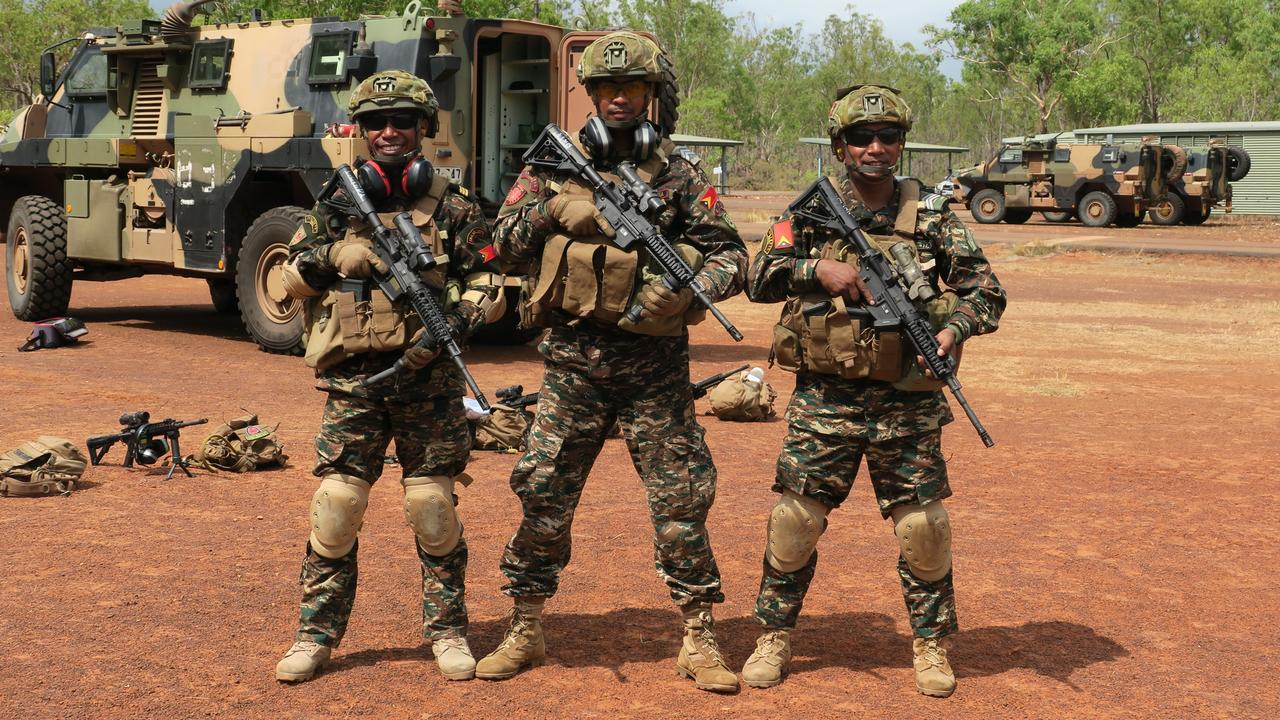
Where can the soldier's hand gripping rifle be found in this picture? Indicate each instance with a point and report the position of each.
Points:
(626, 208)
(142, 442)
(406, 259)
(822, 206)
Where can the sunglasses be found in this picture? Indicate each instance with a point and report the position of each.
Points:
(399, 121)
(861, 137)
(632, 89)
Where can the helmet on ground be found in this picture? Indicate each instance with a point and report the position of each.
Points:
(620, 55)
(393, 90)
(859, 104)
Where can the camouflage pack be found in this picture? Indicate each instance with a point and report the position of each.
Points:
(45, 466)
(743, 398)
(241, 445)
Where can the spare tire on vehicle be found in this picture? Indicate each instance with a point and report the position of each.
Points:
(1238, 164)
(1174, 160)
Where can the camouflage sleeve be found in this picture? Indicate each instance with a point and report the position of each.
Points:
(472, 259)
(309, 248)
(963, 267)
(695, 215)
(523, 223)
(780, 267)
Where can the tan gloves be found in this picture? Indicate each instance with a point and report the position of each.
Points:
(578, 215)
(354, 260)
(659, 302)
(416, 357)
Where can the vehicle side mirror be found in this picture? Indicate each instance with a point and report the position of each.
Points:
(48, 74)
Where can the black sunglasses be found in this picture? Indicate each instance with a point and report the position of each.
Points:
(861, 137)
(399, 121)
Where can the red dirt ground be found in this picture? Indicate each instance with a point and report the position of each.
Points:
(1115, 551)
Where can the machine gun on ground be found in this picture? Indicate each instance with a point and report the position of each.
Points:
(822, 206)
(142, 441)
(625, 208)
(406, 259)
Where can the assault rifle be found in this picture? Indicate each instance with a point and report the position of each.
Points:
(627, 209)
(822, 206)
(142, 442)
(512, 396)
(406, 259)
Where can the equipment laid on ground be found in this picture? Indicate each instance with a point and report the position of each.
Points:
(744, 397)
(143, 441)
(52, 333)
(45, 466)
(240, 445)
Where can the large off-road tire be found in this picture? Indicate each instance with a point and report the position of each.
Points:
(222, 292)
(1057, 216)
(1175, 162)
(271, 317)
(1017, 216)
(987, 206)
(668, 97)
(1193, 215)
(1238, 164)
(1128, 220)
(39, 271)
(1168, 210)
(1097, 209)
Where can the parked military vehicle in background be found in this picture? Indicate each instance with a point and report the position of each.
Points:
(1205, 183)
(162, 148)
(1100, 184)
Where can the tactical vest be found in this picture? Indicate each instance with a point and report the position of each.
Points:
(354, 317)
(240, 445)
(821, 334)
(46, 466)
(588, 277)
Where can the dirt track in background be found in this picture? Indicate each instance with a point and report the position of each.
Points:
(1113, 551)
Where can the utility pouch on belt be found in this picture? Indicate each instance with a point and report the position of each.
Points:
(46, 466)
(586, 277)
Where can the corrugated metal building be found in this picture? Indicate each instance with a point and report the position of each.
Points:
(1258, 193)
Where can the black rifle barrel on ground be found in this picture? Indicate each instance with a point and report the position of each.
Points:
(822, 205)
(625, 208)
(137, 434)
(702, 387)
(406, 259)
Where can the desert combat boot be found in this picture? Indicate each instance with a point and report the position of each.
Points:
(453, 656)
(700, 657)
(933, 673)
(769, 663)
(302, 661)
(523, 646)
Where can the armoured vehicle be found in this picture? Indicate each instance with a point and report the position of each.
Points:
(162, 148)
(1205, 181)
(1101, 184)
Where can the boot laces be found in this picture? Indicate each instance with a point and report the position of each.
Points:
(933, 653)
(707, 643)
(453, 643)
(520, 624)
(770, 643)
(304, 646)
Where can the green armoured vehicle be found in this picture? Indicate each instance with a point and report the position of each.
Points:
(162, 148)
(1204, 182)
(1101, 184)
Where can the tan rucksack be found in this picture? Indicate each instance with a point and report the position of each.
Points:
(504, 429)
(742, 399)
(46, 466)
(241, 445)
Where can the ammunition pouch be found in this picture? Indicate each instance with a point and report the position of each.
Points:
(45, 466)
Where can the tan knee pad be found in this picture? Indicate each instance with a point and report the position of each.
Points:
(337, 511)
(924, 534)
(428, 508)
(795, 525)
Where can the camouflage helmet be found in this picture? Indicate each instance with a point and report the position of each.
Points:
(867, 104)
(392, 90)
(620, 55)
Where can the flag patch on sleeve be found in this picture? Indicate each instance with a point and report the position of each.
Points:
(784, 237)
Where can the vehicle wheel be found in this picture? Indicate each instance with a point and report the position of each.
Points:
(271, 316)
(223, 294)
(39, 276)
(1097, 209)
(1017, 216)
(1238, 164)
(1128, 220)
(1057, 216)
(987, 206)
(1193, 216)
(1175, 162)
(668, 97)
(1168, 210)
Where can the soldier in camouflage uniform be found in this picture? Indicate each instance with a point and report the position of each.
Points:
(354, 332)
(860, 393)
(600, 367)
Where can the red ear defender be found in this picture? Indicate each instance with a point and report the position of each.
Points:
(374, 181)
(417, 177)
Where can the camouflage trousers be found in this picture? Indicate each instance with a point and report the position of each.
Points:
(431, 438)
(590, 381)
(904, 469)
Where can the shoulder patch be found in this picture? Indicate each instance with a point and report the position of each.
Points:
(687, 155)
(933, 201)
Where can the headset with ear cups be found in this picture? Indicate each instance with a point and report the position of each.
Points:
(414, 181)
(595, 137)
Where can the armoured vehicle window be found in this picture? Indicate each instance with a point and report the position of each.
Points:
(1062, 154)
(1110, 155)
(1011, 156)
(88, 76)
(328, 58)
(209, 64)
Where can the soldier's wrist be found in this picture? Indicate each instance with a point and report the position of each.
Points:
(804, 276)
(960, 328)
